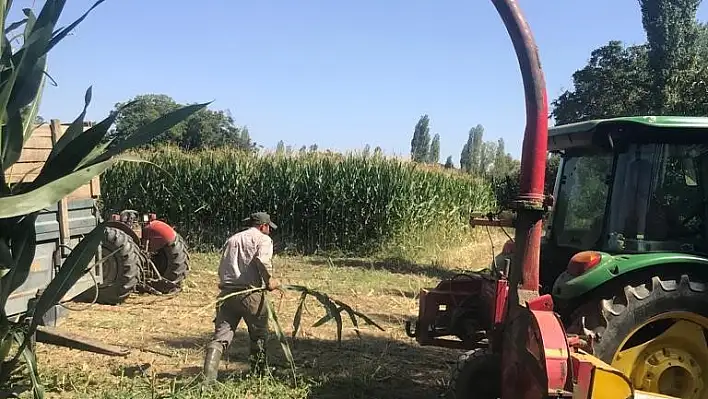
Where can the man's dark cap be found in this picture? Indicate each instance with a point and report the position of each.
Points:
(261, 218)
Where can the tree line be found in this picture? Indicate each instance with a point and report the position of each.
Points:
(477, 156)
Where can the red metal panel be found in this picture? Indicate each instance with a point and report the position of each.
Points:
(502, 293)
(555, 347)
(160, 234)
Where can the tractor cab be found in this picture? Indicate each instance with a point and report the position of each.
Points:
(626, 186)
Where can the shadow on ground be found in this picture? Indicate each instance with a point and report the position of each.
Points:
(392, 265)
(370, 367)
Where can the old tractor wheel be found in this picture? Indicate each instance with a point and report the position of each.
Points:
(477, 375)
(656, 335)
(172, 261)
(120, 270)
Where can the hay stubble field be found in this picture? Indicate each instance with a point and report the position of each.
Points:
(166, 336)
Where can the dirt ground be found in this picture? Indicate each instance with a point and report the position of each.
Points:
(166, 335)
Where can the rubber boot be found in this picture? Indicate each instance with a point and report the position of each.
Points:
(257, 358)
(211, 361)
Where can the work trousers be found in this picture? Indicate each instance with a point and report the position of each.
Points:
(252, 309)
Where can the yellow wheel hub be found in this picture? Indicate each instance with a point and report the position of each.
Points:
(672, 361)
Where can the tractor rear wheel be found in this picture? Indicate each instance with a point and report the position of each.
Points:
(655, 334)
(477, 375)
(172, 261)
(120, 270)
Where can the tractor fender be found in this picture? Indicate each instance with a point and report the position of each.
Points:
(610, 267)
(160, 234)
(125, 228)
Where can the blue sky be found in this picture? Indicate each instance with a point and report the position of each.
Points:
(339, 74)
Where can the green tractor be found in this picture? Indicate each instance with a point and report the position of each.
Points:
(624, 256)
(625, 253)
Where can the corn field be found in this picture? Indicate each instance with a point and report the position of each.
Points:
(321, 202)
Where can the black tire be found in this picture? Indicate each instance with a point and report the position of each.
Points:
(172, 261)
(477, 375)
(612, 320)
(121, 270)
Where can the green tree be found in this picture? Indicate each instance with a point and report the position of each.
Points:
(466, 154)
(420, 143)
(280, 147)
(501, 166)
(434, 155)
(486, 158)
(477, 149)
(449, 164)
(663, 76)
(624, 70)
(205, 129)
(672, 33)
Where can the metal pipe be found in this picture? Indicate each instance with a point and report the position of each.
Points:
(529, 204)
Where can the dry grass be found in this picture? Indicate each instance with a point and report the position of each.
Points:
(381, 365)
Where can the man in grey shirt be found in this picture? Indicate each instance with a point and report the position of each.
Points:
(245, 263)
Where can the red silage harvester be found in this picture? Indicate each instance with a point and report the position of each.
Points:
(522, 349)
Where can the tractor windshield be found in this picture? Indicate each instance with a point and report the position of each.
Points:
(582, 198)
(644, 198)
(658, 199)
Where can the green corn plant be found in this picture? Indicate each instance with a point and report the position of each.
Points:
(349, 203)
(76, 158)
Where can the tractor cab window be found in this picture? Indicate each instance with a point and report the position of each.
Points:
(582, 199)
(658, 199)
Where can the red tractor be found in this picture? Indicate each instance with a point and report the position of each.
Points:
(517, 344)
(148, 256)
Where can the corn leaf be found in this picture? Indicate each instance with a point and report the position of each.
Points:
(32, 110)
(352, 316)
(31, 363)
(281, 336)
(72, 156)
(19, 81)
(15, 25)
(13, 139)
(73, 131)
(23, 246)
(8, 265)
(58, 36)
(71, 270)
(298, 313)
(5, 345)
(50, 193)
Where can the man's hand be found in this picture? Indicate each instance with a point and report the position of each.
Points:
(273, 284)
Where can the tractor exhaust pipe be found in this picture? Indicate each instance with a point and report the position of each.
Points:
(529, 205)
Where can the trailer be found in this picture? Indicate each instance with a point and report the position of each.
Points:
(58, 229)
